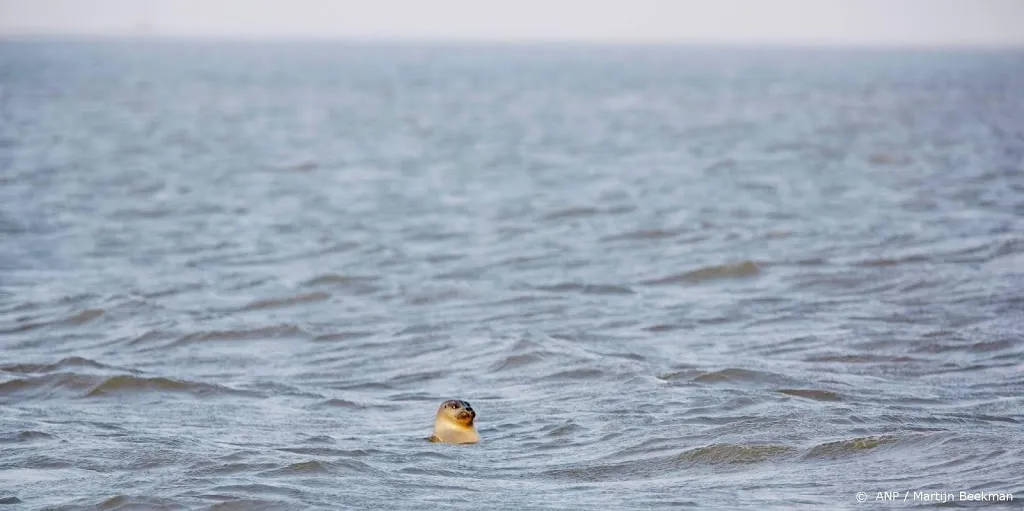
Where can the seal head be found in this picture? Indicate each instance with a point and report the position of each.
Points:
(453, 423)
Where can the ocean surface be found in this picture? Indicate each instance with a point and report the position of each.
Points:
(243, 275)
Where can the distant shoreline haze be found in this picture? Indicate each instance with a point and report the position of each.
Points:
(803, 23)
(127, 37)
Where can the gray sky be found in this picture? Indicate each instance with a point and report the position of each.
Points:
(872, 22)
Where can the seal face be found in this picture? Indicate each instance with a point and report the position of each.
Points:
(453, 423)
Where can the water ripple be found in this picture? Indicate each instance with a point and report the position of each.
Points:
(244, 276)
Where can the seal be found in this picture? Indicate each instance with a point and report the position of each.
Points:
(454, 423)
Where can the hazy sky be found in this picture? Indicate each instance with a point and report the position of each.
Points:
(884, 22)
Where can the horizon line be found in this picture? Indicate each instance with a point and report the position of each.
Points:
(155, 35)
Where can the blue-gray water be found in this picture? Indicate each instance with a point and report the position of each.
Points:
(244, 275)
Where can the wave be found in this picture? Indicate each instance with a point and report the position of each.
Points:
(643, 235)
(125, 502)
(709, 273)
(83, 385)
(743, 376)
(654, 467)
(77, 319)
(65, 363)
(816, 395)
(267, 332)
(312, 467)
(121, 385)
(586, 289)
(25, 437)
(278, 303)
(351, 284)
(849, 447)
(576, 212)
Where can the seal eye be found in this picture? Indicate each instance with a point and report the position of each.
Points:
(453, 405)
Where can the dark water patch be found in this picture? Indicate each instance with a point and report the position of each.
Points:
(777, 234)
(434, 485)
(887, 262)
(570, 213)
(730, 454)
(257, 489)
(271, 388)
(19, 306)
(7, 225)
(431, 472)
(343, 336)
(795, 345)
(327, 452)
(587, 289)
(741, 376)
(320, 440)
(417, 377)
(64, 363)
(280, 303)
(33, 461)
(346, 283)
(420, 329)
(138, 503)
(132, 385)
(25, 437)
(985, 417)
(459, 274)
(170, 291)
(582, 374)
(707, 274)
(816, 395)
(233, 503)
(847, 448)
(437, 234)
(75, 320)
(207, 469)
(312, 467)
(643, 235)
(363, 385)
(10, 500)
(83, 317)
(516, 361)
(48, 385)
(133, 214)
(663, 327)
(889, 159)
(656, 467)
(435, 295)
(563, 430)
(302, 167)
(811, 261)
(634, 357)
(268, 332)
(417, 397)
(319, 468)
(860, 358)
(339, 403)
(929, 346)
(242, 282)
(655, 445)
(250, 260)
(682, 375)
(153, 335)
